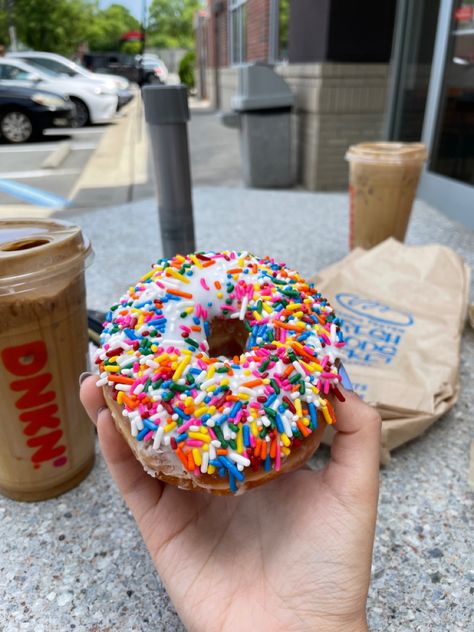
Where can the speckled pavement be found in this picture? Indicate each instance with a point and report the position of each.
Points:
(78, 562)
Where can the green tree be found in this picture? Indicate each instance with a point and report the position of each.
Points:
(4, 39)
(108, 25)
(170, 23)
(50, 25)
(59, 26)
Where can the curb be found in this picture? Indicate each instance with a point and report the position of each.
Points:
(119, 162)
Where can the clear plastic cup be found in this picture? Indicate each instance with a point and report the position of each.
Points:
(383, 180)
(46, 440)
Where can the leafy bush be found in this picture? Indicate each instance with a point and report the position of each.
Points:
(186, 69)
(131, 48)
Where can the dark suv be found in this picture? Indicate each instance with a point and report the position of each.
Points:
(124, 65)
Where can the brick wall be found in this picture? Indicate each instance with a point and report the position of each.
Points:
(222, 20)
(257, 33)
(258, 29)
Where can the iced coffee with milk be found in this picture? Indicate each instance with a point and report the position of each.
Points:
(46, 440)
(383, 180)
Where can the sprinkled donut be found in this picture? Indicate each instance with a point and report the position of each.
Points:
(216, 368)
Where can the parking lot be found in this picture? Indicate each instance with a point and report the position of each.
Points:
(52, 165)
(75, 168)
(107, 165)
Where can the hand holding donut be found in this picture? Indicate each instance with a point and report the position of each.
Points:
(292, 555)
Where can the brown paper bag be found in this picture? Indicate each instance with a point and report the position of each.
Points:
(404, 309)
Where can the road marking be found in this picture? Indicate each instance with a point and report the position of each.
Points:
(38, 173)
(32, 194)
(14, 149)
(58, 156)
(79, 131)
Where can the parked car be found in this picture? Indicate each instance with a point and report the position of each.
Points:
(64, 66)
(150, 60)
(127, 66)
(94, 103)
(26, 112)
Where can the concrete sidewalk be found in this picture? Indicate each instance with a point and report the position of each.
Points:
(309, 231)
(214, 150)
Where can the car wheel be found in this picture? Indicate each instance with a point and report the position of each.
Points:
(16, 127)
(82, 113)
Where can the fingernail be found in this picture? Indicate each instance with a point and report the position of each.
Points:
(84, 376)
(346, 381)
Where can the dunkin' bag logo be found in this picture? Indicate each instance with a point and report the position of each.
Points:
(373, 331)
(36, 401)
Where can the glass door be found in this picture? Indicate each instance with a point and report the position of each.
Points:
(415, 35)
(448, 127)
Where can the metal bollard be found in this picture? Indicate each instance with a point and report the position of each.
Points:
(167, 113)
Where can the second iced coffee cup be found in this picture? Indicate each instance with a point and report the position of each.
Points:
(383, 180)
(46, 440)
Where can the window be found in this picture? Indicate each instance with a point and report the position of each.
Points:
(279, 18)
(237, 31)
(51, 65)
(13, 73)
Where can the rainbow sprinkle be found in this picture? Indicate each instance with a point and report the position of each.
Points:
(221, 416)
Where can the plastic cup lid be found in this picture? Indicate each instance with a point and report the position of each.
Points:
(384, 152)
(32, 250)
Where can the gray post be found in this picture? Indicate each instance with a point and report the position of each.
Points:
(167, 113)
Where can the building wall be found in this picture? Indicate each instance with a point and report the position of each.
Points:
(228, 83)
(223, 48)
(258, 30)
(337, 104)
(341, 31)
(170, 56)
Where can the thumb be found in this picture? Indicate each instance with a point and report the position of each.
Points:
(140, 491)
(355, 451)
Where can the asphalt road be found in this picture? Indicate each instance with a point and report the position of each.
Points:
(52, 165)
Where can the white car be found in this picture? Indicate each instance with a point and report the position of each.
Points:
(94, 103)
(63, 65)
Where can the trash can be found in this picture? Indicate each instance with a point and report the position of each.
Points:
(262, 112)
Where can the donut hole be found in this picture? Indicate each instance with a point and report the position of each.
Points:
(228, 337)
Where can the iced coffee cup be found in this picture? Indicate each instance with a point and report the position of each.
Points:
(383, 179)
(46, 441)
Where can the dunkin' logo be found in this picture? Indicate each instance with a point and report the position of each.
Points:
(36, 401)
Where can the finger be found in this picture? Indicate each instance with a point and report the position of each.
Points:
(355, 450)
(92, 398)
(140, 491)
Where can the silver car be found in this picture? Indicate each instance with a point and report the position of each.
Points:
(94, 103)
